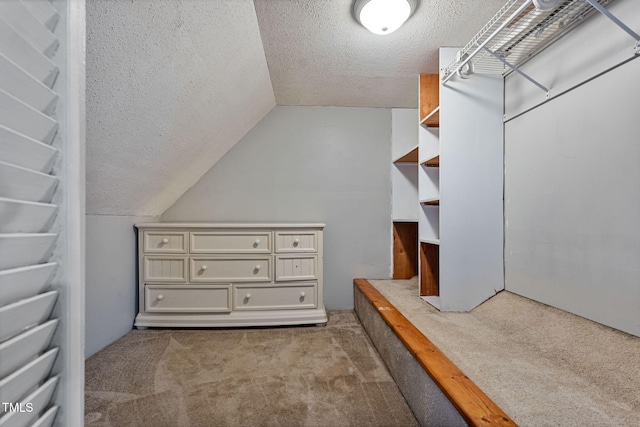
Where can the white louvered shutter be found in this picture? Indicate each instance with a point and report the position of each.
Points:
(28, 230)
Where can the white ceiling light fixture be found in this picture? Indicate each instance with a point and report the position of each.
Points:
(383, 16)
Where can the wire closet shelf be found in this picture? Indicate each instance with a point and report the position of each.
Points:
(519, 31)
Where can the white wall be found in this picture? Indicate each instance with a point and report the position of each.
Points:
(111, 291)
(572, 168)
(310, 164)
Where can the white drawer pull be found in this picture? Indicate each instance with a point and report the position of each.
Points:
(247, 296)
(160, 297)
(258, 267)
(256, 243)
(204, 267)
(165, 240)
(295, 242)
(302, 294)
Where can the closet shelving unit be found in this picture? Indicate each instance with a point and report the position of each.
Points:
(460, 190)
(521, 30)
(460, 150)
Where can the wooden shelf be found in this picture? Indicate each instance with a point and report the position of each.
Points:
(432, 120)
(430, 241)
(405, 250)
(429, 96)
(429, 269)
(431, 202)
(410, 157)
(433, 162)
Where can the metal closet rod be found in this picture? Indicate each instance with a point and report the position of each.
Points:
(502, 26)
(482, 46)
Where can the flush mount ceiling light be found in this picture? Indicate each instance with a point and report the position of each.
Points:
(383, 16)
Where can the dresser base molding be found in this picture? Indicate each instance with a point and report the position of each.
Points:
(232, 319)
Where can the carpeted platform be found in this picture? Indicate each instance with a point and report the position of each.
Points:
(289, 376)
(541, 365)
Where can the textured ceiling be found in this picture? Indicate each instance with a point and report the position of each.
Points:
(319, 55)
(171, 86)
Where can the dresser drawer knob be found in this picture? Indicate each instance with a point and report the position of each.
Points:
(296, 242)
(160, 297)
(204, 267)
(302, 295)
(258, 267)
(165, 240)
(248, 296)
(256, 243)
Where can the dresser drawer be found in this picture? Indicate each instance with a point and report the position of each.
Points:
(230, 242)
(165, 268)
(296, 267)
(165, 242)
(202, 299)
(275, 297)
(231, 269)
(296, 241)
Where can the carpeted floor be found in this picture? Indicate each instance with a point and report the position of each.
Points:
(541, 365)
(289, 376)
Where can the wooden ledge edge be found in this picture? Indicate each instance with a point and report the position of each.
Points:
(474, 406)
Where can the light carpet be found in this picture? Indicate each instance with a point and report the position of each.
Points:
(286, 376)
(541, 365)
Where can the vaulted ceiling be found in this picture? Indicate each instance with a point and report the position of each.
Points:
(172, 85)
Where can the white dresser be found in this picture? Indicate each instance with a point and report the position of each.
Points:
(215, 274)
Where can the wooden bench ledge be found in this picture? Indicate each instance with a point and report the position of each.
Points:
(474, 406)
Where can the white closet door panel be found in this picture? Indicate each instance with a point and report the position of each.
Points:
(25, 217)
(25, 119)
(22, 85)
(19, 250)
(39, 399)
(24, 184)
(43, 10)
(25, 313)
(14, 387)
(26, 152)
(20, 349)
(46, 420)
(20, 51)
(18, 283)
(29, 27)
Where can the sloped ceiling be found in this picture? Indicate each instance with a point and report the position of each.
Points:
(172, 85)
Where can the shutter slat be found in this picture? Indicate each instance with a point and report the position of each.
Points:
(39, 400)
(20, 84)
(23, 282)
(21, 315)
(25, 217)
(25, 184)
(25, 119)
(47, 419)
(21, 250)
(15, 387)
(20, 51)
(20, 150)
(44, 11)
(19, 350)
(29, 27)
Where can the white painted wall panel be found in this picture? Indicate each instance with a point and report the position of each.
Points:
(310, 164)
(112, 297)
(573, 200)
(471, 183)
